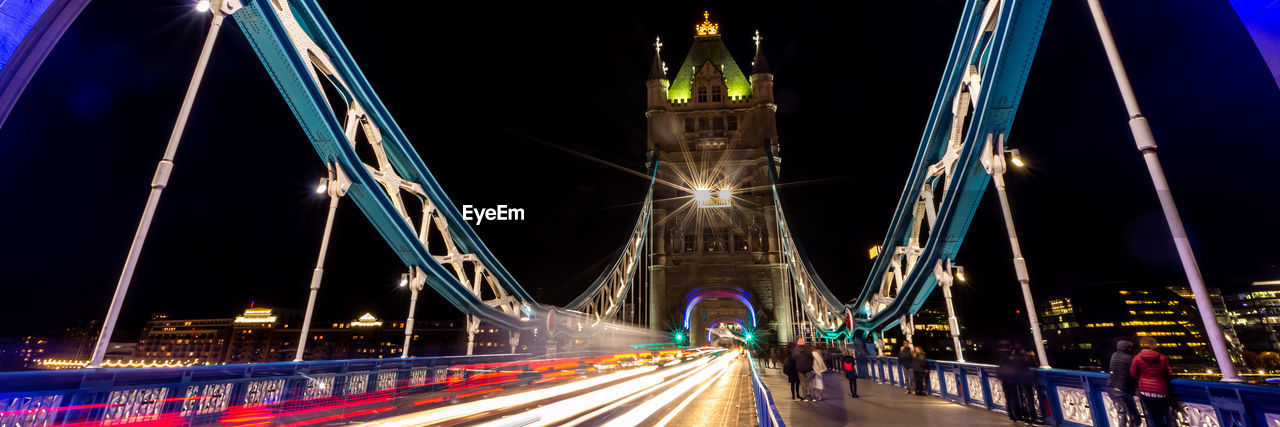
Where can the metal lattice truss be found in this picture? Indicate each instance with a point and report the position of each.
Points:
(343, 118)
(819, 305)
(978, 97)
(465, 266)
(391, 185)
(605, 297)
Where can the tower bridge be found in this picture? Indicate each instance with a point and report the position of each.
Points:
(711, 269)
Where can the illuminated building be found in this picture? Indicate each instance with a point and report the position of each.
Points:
(262, 334)
(1255, 316)
(715, 232)
(1081, 330)
(165, 339)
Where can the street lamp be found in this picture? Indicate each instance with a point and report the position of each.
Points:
(960, 273)
(335, 185)
(1015, 157)
(994, 164)
(161, 178)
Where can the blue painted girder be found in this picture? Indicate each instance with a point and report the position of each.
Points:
(306, 99)
(1007, 59)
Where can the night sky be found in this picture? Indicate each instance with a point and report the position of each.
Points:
(473, 87)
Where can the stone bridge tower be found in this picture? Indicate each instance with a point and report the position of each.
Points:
(714, 234)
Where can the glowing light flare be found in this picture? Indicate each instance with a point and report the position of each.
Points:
(725, 194)
(701, 195)
(203, 6)
(1015, 157)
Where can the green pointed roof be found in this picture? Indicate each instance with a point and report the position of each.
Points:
(709, 48)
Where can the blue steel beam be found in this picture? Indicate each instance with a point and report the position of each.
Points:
(1003, 55)
(273, 28)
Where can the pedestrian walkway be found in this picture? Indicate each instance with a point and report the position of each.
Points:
(878, 405)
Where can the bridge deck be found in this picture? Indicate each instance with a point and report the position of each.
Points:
(878, 405)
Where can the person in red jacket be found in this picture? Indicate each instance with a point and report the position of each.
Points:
(1151, 370)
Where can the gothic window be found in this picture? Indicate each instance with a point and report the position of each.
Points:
(714, 240)
(688, 124)
(717, 124)
(702, 94)
(715, 94)
(690, 242)
(739, 243)
(733, 122)
(702, 123)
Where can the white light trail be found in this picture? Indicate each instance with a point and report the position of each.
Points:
(640, 413)
(697, 393)
(440, 415)
(559, 411)
(637, 394)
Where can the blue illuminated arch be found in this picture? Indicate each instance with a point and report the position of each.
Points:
(702, 294)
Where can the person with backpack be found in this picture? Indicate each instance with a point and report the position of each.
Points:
(1152, 372)
(850, 365)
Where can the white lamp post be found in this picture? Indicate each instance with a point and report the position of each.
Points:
(994, 163)
(220, 8)
(415, 280)
(947, 275)
(1147, 145)
(335, 185)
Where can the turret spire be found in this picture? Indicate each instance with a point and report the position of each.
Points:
(659, 68)
(759, 65)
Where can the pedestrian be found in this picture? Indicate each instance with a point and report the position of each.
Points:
(819, 367)
(905, 358)
(919, 366)
(793, 376)
(1152, 372)
(849, 362)
(1120, 386)
(803, 355)
(1026, 384)
(1009, 381)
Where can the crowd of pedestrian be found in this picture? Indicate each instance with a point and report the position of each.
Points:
(805, 364)
(1145, 375)
(1138, 384)
(1018, 381)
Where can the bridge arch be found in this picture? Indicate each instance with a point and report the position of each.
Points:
(713, 292)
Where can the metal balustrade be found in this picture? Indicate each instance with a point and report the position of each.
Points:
(1078, 398)
(766, 410)
(284, 392)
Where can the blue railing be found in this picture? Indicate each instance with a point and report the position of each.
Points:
(281, 393)
(766, 411)
(1077, 398)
